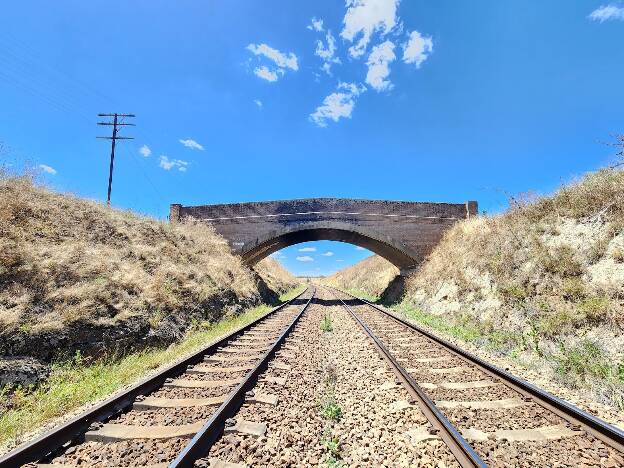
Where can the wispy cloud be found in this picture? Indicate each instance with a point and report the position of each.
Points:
(305, 258)
(337, 105)
(192, 144)
(339, 260)
(258, 103)
(327, 52)
(282, 62)
(308, 249)
(365, 17)
(607, 12)
(359, 248)
(266, 74)
(315, 24)
(328, 254)
(47, 169)
(168, 164)
(417, 48)
(379, 66)
(145, 151)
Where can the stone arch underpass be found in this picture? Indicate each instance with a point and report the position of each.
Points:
(401, 232)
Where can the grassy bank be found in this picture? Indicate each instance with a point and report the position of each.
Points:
(78, 275)
(584, 364)
(74, 383)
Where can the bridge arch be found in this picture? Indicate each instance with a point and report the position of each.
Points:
(392, 250)
(403, 232)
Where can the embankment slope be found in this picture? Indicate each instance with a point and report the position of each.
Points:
(76, 275)
(542, 282)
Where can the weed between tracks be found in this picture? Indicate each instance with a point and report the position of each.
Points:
(73, 383)
(332, 412)
(326, 324)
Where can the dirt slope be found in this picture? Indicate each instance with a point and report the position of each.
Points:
(370, 276)
(75, 275)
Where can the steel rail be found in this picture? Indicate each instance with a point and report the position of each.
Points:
(202, 441)
(604, 431)
(460, 448)
(51, 441)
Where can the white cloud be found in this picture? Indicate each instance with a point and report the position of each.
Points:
(145, 151)
(417, 48)
(168, 164)
(334, 107)
(282, 60)
(363, 18)
(308, 249)
(258, 103)
(305, 258)
(337, 105)
(359, 248)
(326, 52)
(266, 74)
(378, 66)
(328, 254)
(339, 260)
(607, 12)
(47, 169)
(315, 24)
(352, 88)
(278, 255)
(192, 144)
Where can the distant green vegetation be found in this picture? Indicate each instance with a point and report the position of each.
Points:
(363, 294)
(287, 296)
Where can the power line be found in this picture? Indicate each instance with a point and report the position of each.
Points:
(115, 124)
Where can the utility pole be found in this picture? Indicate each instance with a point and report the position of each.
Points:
(117, 122)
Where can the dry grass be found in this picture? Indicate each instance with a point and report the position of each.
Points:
(68, 263)
(541, 280)
(278, 278)
(370, 276)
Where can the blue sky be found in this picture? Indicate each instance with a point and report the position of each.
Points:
(238, 100)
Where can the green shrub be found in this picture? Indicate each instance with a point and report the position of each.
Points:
(513, 294)
(573, 289)
(561, 262)
(586, 359)
(595, 307)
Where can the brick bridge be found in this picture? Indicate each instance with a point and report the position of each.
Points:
(402, 232)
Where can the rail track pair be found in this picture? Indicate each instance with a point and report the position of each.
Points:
(207, 388)
(428, 365)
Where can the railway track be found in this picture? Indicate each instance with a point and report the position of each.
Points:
(252, 399)
(487, 416)
(173, 417)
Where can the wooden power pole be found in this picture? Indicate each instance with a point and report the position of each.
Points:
(116, 123)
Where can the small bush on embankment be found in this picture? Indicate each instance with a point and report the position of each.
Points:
(78, 276)
(542, 282)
